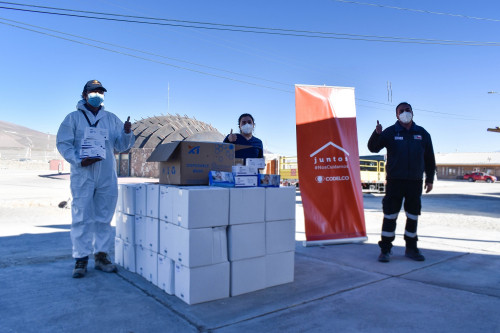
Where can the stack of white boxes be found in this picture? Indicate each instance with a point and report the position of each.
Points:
(205, 243)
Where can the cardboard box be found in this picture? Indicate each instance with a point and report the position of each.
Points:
(200, 247)
(168, 239)
(119, 251)
(166, 274)
(140, 230)
(166, 203)
(280, 268)
(202, 284)
(280, 203)
(221, 179)
(140, 199)
(188, 162)
(152, 234)
(248, 275)
(152, 200)
(268, 180)
(245, 181)
(244, 170)
(246, 241)
(259, 163)
(280, 236)
(128, 198)
(129, 257)
(246, 205)
(201, 207)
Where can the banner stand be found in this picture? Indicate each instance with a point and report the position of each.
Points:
(334, 241)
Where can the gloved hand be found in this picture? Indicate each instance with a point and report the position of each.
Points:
(89, 161)
(127, 125)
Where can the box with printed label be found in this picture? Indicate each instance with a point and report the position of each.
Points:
(201, 207)
(259, 163)
(166, 204)
(189, 162)
(221, 179)
(280, 203)
(248, 275)
(246, 205)
(128, 198)
(125, 227)
(140, 199)
(151, 267)
(168, 239)
(267, 180)
(280, 236)
(94, 133)
(118, 251)
(140, 230)
(246, 240)
(140, 260)
(166, 274)
(129, 257)
(152, 200)
(202, 284)
(244, 170)
(245, 181)
(200, 247)
(280, 268)
(152, 234)
(93, 149)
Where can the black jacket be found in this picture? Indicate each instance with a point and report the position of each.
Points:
(409, 152)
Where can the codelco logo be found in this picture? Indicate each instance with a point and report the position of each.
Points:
(321, 179)
(330, 161)
(194, 150)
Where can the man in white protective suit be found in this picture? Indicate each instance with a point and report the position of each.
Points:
(87, 139)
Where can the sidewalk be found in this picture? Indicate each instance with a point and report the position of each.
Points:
(336, 288)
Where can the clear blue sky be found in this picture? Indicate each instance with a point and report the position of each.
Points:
(42, 77)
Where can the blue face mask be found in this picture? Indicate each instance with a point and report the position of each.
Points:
(95, 99)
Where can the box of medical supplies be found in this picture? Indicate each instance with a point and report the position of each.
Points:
(168, 239)
(221, 179)
(258, 163)
(245, 181)
(125, 227)
(118, 251)
(152, 200)
(266, 180)
(248, 275)
(200, 247)
(129, 257)
(280, 203)
(246, 241)
(244, 170)
(280, 236)
(189, 162)
(202, 284)
(166, 274)
(201, 207)
(246, 205)
(280, 268)
(152, 236)
(140, 199)
(140, 230)
(128, 198)
(166, 203)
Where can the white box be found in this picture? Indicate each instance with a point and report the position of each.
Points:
(202, 284)
(152, 200)
(118, 251)
(200, 247)
(280, 236)
(125, 227)
(151, 266)
(166, 203)
(259, 163)
(118, 224)
(128, 198)
(140, 230)
(140, 199)
(246, 241)
(245, 181)
(129, 256)
(167, 239)
(248, 275)
(201, 207)
(119, 201)
(280, 203)
(140, 260)
(280, 268)
(166, 274)
(246, 205)
(152, 234)
(243, 170)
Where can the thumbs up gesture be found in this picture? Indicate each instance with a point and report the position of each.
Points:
(231, 137)
(378, 129)
(127, 125)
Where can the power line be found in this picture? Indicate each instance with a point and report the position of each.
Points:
(257, 30)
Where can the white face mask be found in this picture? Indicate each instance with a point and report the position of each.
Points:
(247, 128)
(405, 117)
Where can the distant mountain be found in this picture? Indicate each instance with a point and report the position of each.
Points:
(14, 136)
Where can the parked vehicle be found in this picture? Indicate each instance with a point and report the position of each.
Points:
(475, 176)
(372, 175)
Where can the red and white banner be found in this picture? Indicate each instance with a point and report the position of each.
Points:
(328, 162)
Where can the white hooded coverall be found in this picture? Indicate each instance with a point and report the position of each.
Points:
(94, 188)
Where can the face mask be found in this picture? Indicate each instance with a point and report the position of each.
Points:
(95, 99)
(405, 117)
(247, 128)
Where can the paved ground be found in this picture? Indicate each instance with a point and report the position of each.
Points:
(336, 288)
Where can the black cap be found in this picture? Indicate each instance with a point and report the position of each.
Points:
(92, 85)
